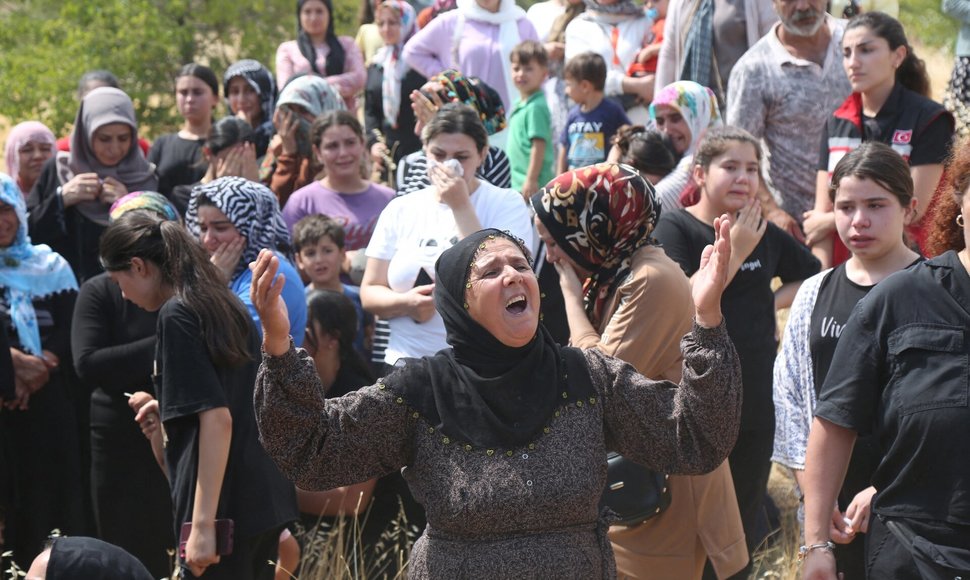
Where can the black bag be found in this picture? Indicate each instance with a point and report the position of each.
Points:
(633, 492)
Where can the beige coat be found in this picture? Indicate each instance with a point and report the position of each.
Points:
(646, 318)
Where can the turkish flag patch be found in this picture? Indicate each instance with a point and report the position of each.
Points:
(902, 137)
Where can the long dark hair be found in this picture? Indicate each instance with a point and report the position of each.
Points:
(645, 150)
(185, 266)
(336, 315)
(912, 72)
(335, 60)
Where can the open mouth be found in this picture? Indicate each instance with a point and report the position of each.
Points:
(517, 304)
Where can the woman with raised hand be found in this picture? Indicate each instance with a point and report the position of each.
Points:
(68, 206)
(452, 86)
(413, 231)
(503, 436)
(201, 426)
(872, 196)
(290, 162)
(178, 157)
(250, 93)
(596, 223)
(319, 51)
(29, 145)
(234, 218)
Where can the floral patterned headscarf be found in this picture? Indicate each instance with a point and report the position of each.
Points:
(599, 215)
(696, 103)
(471, 91)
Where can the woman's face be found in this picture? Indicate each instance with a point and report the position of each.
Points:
(868, 61)
(9, 224)
(111, 143)
(32, 156)
(215, 229)
(459, 146)
(389, 25)
(243, 97)
(340, 150)
(555, 254)
(141, 284)
(321, 345)
(671, 123)
(869, 218)
(489, 5)
(504, 293)
(731, 179)
(194, 99)
(314, 18)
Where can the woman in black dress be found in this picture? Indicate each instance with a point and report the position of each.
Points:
(38, 429)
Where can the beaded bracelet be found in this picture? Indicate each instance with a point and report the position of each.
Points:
(803, 551)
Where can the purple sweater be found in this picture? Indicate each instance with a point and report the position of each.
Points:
(479, 54)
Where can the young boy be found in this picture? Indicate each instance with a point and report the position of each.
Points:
(593, 121)
(530, 147)
(319, 245)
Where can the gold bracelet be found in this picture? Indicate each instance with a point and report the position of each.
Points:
(803, 551)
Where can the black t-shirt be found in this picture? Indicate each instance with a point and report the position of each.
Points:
(900, 371)
(748, 302)
(254, 493)
(179, 161)
(837, 297)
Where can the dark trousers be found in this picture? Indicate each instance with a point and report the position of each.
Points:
(750, 463)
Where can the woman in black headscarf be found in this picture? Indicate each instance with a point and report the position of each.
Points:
(502, 437)
(250, 93)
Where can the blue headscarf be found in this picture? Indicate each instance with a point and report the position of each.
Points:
(28, 272)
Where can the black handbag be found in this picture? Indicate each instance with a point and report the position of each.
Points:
(634, 492)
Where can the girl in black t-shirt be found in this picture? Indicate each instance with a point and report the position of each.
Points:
(727, 168)
(205, 369)
(873, 198)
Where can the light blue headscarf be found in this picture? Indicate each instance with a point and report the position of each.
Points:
(28, 272)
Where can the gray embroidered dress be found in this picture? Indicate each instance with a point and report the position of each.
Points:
(530, 512)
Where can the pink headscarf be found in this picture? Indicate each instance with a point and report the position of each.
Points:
(21, 135)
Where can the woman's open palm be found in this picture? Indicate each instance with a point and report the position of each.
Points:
(710, 280)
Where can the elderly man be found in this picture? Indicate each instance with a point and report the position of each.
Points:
(782, 91)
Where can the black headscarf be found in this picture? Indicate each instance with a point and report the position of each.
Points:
(335, 60)
(481, 392)
(92, 559)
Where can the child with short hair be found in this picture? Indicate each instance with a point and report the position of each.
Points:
(318, 242)
(530, 147)
(593, 121)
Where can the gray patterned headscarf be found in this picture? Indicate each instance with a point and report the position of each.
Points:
(251, 207)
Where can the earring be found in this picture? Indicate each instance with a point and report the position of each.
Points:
(959, 219)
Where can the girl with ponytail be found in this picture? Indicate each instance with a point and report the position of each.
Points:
(889, 103)
(204, 371)
(318, 50)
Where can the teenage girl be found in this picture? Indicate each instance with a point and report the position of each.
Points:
(727, 171)
(204, 371)
(874, 200)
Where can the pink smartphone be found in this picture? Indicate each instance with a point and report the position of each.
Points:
(224, 537)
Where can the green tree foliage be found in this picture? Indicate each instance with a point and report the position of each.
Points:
(46, 45)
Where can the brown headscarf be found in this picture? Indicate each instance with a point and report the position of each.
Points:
(104, 106)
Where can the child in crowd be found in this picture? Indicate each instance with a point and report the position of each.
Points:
(530, 124)
(646, 62)
(727, 170)
(319, 245)
(593, 121)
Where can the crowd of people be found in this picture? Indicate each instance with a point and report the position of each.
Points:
(447, 267)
